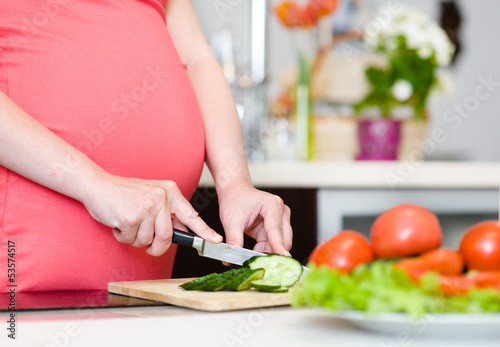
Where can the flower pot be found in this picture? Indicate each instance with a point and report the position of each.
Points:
(378, 139)
(413, 133)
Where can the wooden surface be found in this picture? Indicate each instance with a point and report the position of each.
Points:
(168, 291)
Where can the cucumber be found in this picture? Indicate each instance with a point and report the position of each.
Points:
(244, 281)
(264, 285)
(221, 281)
(234, 279)
(269, 286)
(272, 268)
(276, 290)
(285, 270)
(192, 285)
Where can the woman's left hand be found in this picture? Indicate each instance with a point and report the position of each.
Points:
(261, 215)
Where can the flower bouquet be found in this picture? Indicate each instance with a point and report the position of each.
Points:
(415, 47)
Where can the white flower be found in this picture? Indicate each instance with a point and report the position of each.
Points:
(420, 32)
(402, 90)
(445, 83)
(424, 52)
(442, 46)
(414, 34)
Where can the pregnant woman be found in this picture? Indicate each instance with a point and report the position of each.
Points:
(108, 110)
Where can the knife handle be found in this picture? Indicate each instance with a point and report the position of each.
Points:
(182, 238)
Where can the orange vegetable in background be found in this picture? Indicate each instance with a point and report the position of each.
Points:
(449, 265)
(480, 246)
(462, 284)
(344, 251)
(443, 261)
(405, 230)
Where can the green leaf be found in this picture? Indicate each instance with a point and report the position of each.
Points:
(403, 64)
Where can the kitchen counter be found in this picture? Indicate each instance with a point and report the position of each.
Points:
(174, 326)
(367, 188)
(356, 174)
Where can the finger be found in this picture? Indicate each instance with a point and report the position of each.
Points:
(234, 231)
(117, 233)
(187, 215)
(234, 234)
(177, 224)
(287, 229)
(145, 233)
(272, 213)
(263, 247)
(124, 234)
(258, 232)
(162, 233)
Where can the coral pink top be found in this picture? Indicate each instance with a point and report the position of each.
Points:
(104, 76)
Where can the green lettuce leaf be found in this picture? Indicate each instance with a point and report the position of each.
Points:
(379, 287)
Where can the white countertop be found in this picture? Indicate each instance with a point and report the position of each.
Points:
(173, 326)
(317, 174)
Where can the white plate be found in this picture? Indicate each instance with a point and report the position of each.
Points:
(430, 324)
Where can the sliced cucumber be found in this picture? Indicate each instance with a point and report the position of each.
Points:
(285, 270)
(244, 281)
(192, 285)
(234, 279)
(277, 290)
(264, 284)
(222, 280)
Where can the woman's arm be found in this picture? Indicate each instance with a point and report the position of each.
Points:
(243, 208)
(33, 151)
(139, 209)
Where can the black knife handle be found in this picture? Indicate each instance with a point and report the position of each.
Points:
(182, 238)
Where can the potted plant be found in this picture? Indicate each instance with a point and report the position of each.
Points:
(414, 48)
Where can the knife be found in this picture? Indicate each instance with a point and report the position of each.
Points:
(219, 251)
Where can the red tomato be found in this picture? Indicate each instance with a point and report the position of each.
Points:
(405, 230)
(480, 246)
(443, 261)
(344, 251)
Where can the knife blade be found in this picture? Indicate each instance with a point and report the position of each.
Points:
(219, 251)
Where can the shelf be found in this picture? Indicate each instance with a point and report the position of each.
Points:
(366, 175)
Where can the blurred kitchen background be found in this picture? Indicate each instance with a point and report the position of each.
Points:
(249, 38)
(303, 110)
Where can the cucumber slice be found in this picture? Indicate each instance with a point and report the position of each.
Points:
(285, 270)
(269, 286)
(277, 290)
(244, 281)
(264, 284)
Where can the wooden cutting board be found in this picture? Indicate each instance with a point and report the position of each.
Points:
(168, 291)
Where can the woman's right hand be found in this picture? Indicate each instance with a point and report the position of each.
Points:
(144, 212)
